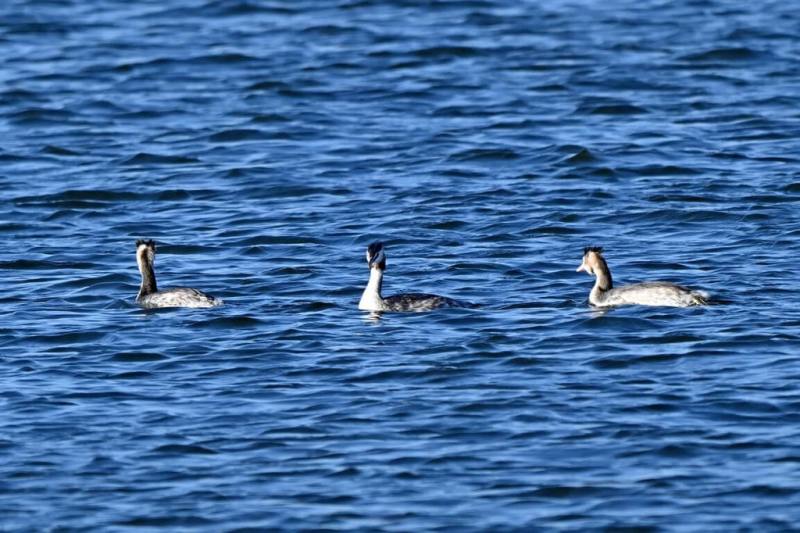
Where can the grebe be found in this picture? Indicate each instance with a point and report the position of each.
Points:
(150, 296)
(660, 293)
(372, 300)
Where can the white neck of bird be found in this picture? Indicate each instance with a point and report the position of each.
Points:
(371, 299)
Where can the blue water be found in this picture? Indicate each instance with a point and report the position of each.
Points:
(265, 144)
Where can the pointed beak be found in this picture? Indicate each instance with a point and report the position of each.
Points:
(581, 268)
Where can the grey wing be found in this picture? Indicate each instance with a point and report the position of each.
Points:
(180, 297)
(659, 293)
(656, 286)
(415, 301)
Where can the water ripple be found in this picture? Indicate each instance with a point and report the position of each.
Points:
(265, 144)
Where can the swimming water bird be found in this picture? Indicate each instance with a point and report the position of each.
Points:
(372, 300)
(149, 295)
(657, 293)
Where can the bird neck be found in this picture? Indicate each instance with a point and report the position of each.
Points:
(371, 299)
(148, 285)
(603, 281)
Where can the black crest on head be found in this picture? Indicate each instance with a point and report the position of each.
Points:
(374, 248)
(596, 249)
(150, 243)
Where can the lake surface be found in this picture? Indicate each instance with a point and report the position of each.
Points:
(264, 145)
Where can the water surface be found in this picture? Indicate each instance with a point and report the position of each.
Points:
(265, 144)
